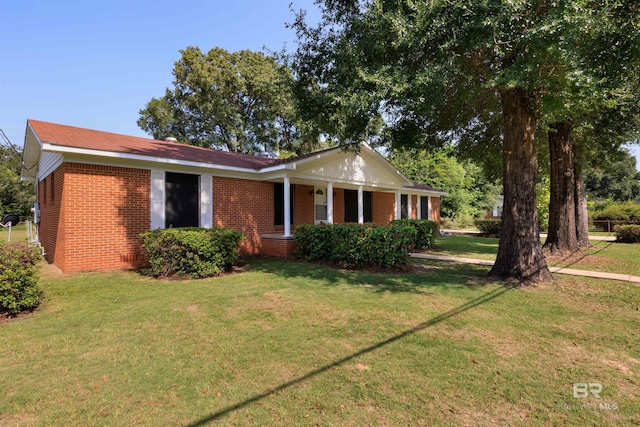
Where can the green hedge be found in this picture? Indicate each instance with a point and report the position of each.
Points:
(489, 226)
(628, 211)
(425, 231)
(355, 246)
(18, 277)
(627, 233)
(190, 251)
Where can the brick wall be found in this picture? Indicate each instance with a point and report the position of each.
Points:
(51, 226)
(435, 209)
(383, 207)
(104, 209)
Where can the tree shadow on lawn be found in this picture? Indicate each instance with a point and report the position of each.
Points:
(475, 302)
(419, 277)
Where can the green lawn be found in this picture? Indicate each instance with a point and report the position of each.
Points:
(604, 256)
(18, 233)
(286, 343)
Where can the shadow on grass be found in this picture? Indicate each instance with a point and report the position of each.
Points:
(475, 302)
(419, 278)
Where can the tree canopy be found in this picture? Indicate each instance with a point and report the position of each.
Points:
(433, 70)
(236, 101)
(16, 196)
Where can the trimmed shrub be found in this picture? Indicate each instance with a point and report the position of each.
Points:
(355, 246)
(627, 233)
(18, 278)
(191, 251)
(489, 226)
(425, 231)
(628, 211)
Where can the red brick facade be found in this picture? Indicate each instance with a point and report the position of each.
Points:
(92, 216)
(95, 218)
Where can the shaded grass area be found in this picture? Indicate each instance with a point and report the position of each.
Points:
(603, 256)
(287, 343)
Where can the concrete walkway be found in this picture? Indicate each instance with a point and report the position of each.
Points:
(559, 270)
(542, 235)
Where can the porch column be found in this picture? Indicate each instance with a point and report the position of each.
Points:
(429, 215)
(287, 206)
(360, 205)
(419, 207)
(330, 202)
(398, 205)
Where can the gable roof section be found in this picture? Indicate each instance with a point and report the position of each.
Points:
(87, 139)
(368, 165)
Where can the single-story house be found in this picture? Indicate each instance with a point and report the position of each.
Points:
(97, 191)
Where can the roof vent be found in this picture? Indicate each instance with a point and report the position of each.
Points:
(171, 139)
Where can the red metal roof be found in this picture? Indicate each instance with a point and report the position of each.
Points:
(70, 136)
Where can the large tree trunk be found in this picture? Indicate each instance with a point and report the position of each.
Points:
(519, 253)
(580, 195)
(561, 239)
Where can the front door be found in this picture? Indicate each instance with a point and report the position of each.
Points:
(321, 205)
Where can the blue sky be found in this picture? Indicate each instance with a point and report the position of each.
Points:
(95, 64)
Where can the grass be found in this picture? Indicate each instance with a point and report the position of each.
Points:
(18, 233)
(287, 343)
(603, 256)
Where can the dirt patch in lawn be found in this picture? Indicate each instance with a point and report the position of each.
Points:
(580, 260)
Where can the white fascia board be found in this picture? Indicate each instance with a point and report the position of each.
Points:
(418, 191)
(159, 160)
(276, 168)
(30, 155)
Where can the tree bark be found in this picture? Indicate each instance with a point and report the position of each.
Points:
(562, 239)
(520, 252)
(580, 196)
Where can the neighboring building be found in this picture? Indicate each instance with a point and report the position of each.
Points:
(496, 211)
(98, 191)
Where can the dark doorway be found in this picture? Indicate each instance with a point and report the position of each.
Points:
(404, 206)
(351, 206)
(182, 200)
(424, 207)
(278, 203)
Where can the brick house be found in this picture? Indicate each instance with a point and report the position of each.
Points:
(97, 191)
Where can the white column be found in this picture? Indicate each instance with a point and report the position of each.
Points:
(287, 206)
(419, 207)
(360, 205)
(157, 199)
(429, 215)
(398, 205)
(330, 202)
(206, 201)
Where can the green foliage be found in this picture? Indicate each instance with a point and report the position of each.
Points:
(237, 101)
(425, 231)
(627, 233)
(15, 196)
(543, 198)
(614, 177)
(628, 211)
(470, 194)
(355, 246)
(191, 251)
(18, 278)
(489, 226)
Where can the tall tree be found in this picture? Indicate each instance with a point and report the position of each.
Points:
(16, 197)
(237, 101)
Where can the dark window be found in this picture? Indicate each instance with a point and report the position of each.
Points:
(182, 200)
(278, 203)
(424, 207)
(404, 206)
(351, 206)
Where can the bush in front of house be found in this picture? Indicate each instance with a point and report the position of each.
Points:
(489, 226)
(191, 251)
(425, 231)
(18, 278)
(355, 246)
(627, 233)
